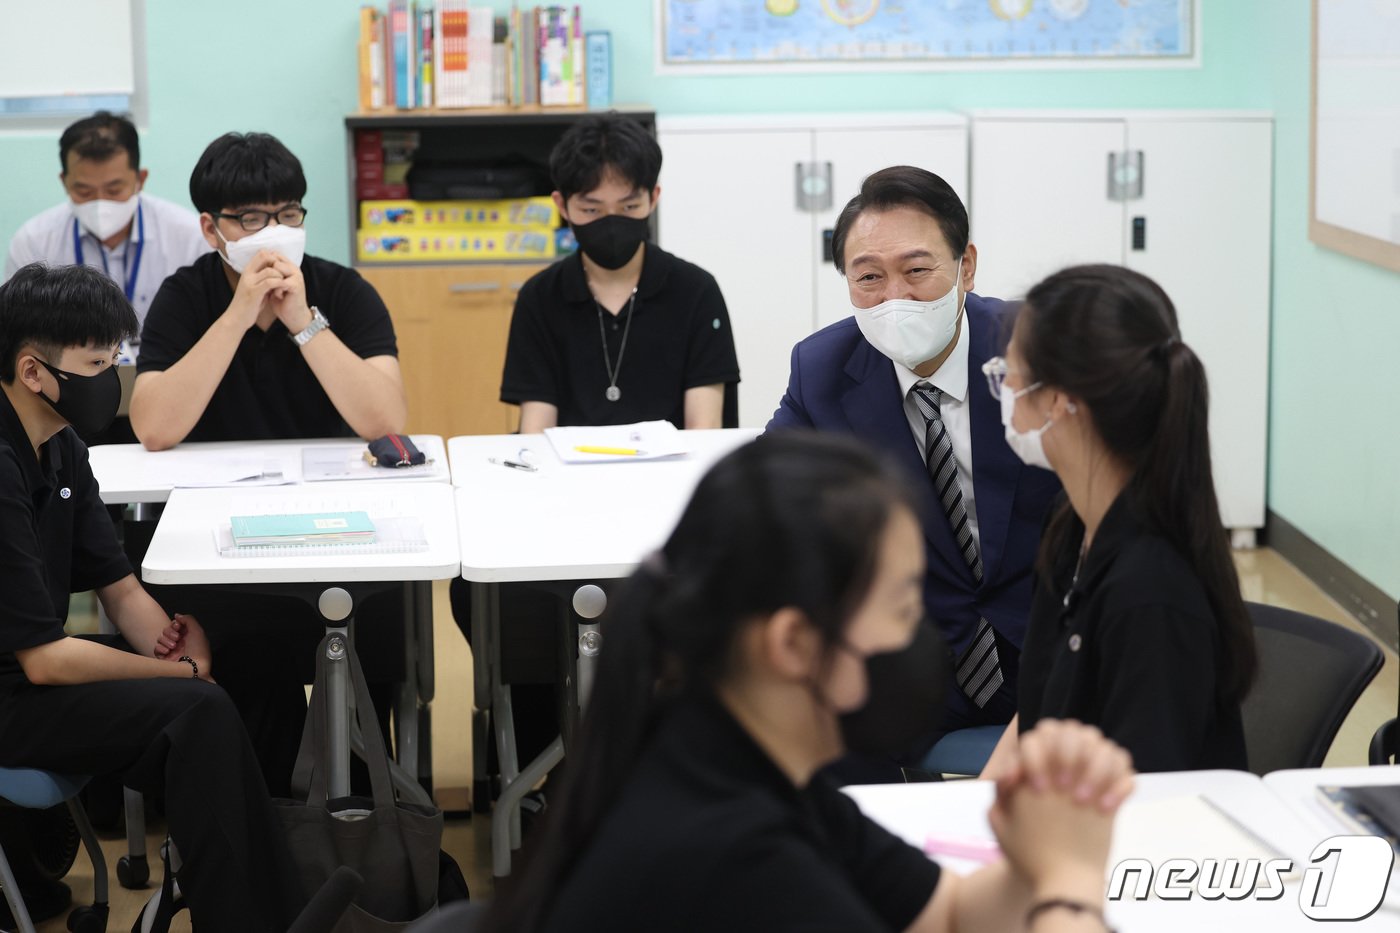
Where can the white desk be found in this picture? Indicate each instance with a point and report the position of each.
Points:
(184, 551)
(570, 521)
(129, 474)
(563, 522)
(958, 810)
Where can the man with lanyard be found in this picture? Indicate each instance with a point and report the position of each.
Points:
(620, 332)
(108, 221)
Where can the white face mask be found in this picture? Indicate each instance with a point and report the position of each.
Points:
(289, 242)
(912, 332)
(104, 219)
(1028, 445)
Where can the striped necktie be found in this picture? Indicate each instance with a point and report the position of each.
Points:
(979, 669)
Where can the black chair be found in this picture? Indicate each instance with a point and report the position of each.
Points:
(457, 917)
(1311, 673)
(1385, 744)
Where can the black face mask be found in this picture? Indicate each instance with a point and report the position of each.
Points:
(906, 693)
(88, 403)
(611, 241)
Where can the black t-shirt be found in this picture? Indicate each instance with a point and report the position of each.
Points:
(708, 834)
(268, 391)
(1134, 649)
(679, 339)
(56, 538)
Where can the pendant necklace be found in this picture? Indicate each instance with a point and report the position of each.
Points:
(614, 393)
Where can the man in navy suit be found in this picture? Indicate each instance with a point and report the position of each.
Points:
(904, 373)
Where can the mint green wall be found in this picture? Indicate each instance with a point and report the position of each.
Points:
(1336, 322)
(1334, 400)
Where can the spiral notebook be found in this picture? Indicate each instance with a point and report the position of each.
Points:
(392, 535)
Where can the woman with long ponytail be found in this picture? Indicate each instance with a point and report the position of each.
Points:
(780, 624)
(1137, 623)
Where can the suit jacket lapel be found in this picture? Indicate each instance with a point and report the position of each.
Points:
(875, 412)
(996, 472)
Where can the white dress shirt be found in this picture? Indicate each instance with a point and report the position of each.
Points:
(170, 233)
(951, 378)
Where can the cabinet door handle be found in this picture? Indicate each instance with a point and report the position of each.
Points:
(813, 186)
(472, 288)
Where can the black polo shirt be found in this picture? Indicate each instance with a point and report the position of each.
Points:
(708, 834)
(268, 392)
(1134, 650)
(56, 538)
(680, 339)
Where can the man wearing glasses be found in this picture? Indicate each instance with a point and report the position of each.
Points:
(258, 340)
(904, 373)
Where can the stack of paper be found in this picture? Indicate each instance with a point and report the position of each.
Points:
(646, 440)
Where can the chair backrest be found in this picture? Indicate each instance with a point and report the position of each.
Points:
(457, 917)
(1311, 673)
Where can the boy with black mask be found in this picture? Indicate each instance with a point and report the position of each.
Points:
(619, 332)
(622, 331)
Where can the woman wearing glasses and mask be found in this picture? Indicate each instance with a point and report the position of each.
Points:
(1137, 624)
(781, 624)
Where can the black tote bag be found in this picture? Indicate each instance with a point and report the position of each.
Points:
(392, 845)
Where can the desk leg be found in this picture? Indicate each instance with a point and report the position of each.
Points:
(406, 735)
(338, 712)
(485, 622)
(504, 835)
(427, 679)
(507, 758)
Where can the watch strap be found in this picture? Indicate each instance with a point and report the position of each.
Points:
(318, 324)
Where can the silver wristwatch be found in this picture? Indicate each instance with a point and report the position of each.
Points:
(318, 324)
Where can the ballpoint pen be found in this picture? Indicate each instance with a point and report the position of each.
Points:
(514, 464)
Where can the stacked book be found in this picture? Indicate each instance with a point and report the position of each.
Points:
(457, 54)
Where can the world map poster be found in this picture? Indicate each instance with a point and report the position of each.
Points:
(778, 32)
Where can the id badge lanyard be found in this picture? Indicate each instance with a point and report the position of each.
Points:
(131, 267)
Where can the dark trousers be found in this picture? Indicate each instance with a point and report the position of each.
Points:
(183, 737)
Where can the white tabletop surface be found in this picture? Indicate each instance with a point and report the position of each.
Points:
(569, 521)
(184, 551)
(129, 473)
(957, 810)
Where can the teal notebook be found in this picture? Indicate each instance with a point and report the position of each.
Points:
(317, 528)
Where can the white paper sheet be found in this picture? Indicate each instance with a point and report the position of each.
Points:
(646, 440)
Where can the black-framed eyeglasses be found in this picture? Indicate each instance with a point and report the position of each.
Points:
(291, 215)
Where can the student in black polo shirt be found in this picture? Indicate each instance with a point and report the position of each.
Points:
(255, 341)
(619, 332)
(1137, 625)
(780, 624)
(142, 706)
(622, 331)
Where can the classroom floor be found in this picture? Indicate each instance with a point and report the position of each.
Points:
(1264, 576)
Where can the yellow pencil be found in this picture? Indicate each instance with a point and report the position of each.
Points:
(611, 451)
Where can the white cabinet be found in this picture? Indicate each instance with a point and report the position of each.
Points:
(1183, 197)
(751, 199)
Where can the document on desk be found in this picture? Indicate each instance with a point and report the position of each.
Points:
(1187, 827)
(332, 464)
(197, 469)
(618, 443)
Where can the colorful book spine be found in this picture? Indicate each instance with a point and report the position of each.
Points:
(481, 35)
(398, 22)
(425, 57)
(386, 46)
(598, 61)
(452, 75)
(577, 63)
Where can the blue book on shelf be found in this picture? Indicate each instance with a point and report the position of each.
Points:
(313, 528)
(598, 56)
(404, 65)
